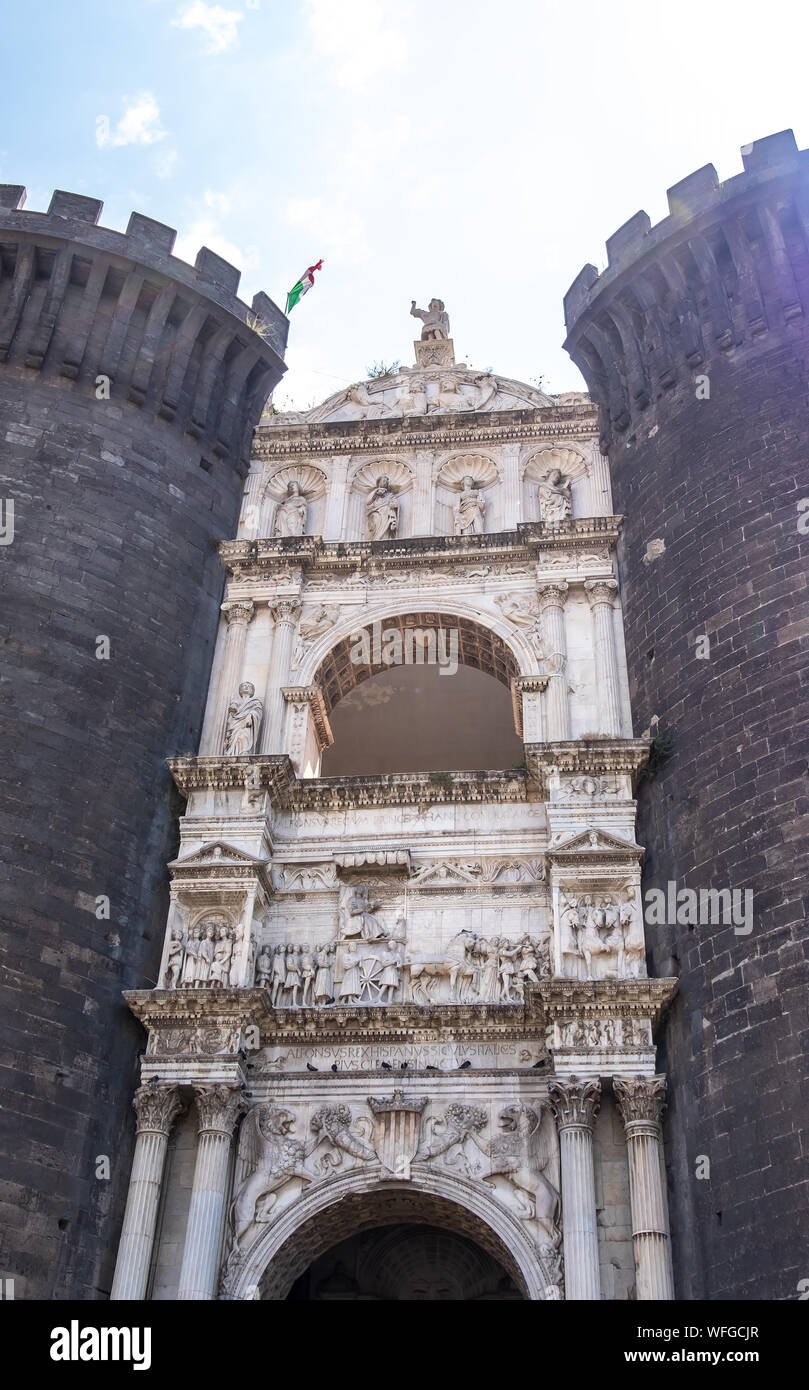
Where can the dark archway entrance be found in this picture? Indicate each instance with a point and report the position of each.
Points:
(393, 1242)
(405, 1263)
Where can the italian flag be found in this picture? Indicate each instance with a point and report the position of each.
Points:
(303, 286)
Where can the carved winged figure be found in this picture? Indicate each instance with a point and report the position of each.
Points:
(523, 1152)
(450, 1131)
(268, 1157)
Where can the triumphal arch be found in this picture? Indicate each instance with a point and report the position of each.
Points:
(402, 1042)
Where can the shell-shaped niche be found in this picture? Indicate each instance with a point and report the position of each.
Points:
(398, 474)
(476, 466)
(311, 480)
(569, 462)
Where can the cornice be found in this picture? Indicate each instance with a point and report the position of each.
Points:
(275, 774)
(592, 757)
(317, 556)
(437, 431)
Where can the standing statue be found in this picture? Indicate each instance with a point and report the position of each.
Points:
(555, 503)
(192, 946)
(174, 958)
(382, 511)
(290, 514)
(470, 510)
(244, 718)
(222, 957)
(435, 320)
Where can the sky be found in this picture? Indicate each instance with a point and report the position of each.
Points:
(479, 151)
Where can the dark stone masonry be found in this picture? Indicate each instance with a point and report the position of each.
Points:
(695, 345)
(121, 493)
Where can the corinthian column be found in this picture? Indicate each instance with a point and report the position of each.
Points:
(552, 598)
(601, 593)
(156, 1107)
(237, 615)
(218, 1108)
(285, 611)
(575, 1104)
(641, 1100)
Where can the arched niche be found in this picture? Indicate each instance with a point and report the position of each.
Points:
(312, 482)
(361, 484)
(575, 470)
(449, 478)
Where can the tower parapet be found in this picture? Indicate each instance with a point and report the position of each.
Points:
(78, 301)
(717, 276)
(130, 383)
(694, 345)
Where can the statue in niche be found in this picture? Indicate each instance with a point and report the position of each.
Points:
(222, 957)
(470, 510)
(382, 511)
(205, 955)
(174, 959)
(192, 946)
(555, 501)
(244, 718)
(290, 514)
(435, 321)
(357, 914)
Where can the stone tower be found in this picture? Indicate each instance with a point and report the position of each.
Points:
(403, 1000)
(130, 383)
(695, 344)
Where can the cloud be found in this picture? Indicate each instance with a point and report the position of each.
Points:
(205, 229)
(139, 125)
(164, 163)
(219, 26)
(357, 37)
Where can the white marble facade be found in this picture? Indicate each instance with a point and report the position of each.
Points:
(423, 993)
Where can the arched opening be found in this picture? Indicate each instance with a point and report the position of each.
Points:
(419, 692)
(405, 1263)
(396, 1245)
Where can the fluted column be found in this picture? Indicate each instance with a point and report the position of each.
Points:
(218, 1108)
(552, 599)
(238, 615)
(601, 593)
(156, 1107)
(335, 506)
(252, 501)
(641, 1100)
(285, 611)
(575, 1104)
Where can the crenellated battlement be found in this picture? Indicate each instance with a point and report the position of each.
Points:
(719, 273)
(79, 301)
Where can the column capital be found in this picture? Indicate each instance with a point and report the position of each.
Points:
(601, 591)
(238, 611)
(640, 1098)
(552, 595)
(285, 610)
(156, 1107)
(575, 1102)
(219, 1107)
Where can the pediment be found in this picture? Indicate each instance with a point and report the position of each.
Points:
(218, 854)
(593, 841)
